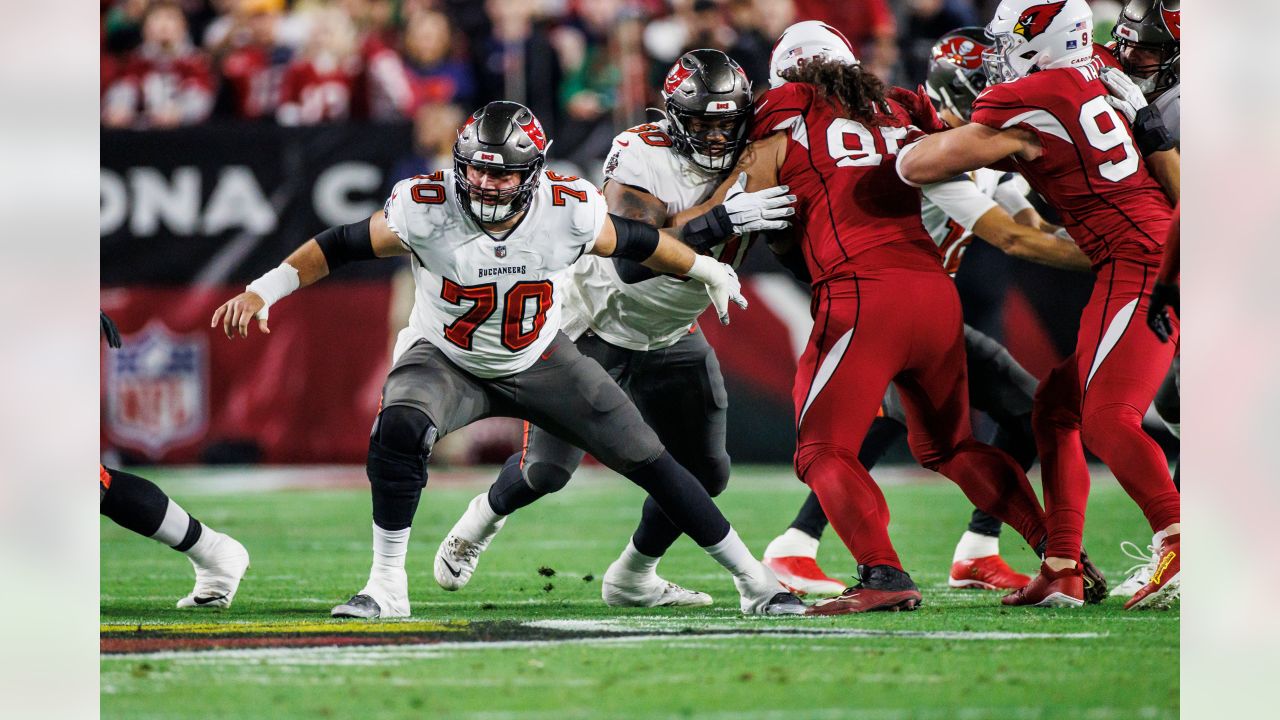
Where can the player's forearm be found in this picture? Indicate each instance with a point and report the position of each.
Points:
(1166, 165)
(1027, 243)
(310, 263)
(944, 155)
(670, 256)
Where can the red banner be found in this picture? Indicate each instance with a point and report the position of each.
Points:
(179, 391)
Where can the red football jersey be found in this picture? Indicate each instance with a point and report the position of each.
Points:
(1091, 169)
(255, 74)
(849, 196)
(312, 94)
(152, 82)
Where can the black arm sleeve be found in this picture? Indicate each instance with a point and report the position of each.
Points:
(346, 243)
(1150, 132)
(636, 240)
(708, 229)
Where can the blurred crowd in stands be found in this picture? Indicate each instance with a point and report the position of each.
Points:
(587, 68)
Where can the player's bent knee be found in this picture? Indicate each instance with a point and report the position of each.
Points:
(713, 473)
(812, 458)
(546, 477)
(400, 446)
(1102, 426)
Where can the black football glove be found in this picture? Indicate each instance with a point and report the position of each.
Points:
(110, 330)
(1163, 297)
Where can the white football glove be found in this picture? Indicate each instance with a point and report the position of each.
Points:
(759, 210)
(722, 284)
(1125, 95)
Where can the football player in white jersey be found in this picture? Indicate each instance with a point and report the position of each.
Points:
(1148, 39)
(641, 326)
(993, 206)
(493, 242)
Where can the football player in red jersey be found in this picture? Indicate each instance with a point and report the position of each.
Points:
(1047, 111)
(884, 309)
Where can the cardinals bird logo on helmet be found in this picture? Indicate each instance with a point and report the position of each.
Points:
(1035, 20)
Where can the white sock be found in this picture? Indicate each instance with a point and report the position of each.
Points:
(634, 561)
(975, 545)
(793, 543)
(199, 552)
(173, 529)
(390, 547)
(479, 522)
(733, 554)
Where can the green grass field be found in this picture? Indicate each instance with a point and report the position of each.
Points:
(473, 654)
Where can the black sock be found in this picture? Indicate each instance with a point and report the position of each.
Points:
(811, 520)
(509, 492)
(678, 495)
(984, 524)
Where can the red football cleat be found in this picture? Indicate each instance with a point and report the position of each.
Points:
(1063, 588)
(881, 588)
(986, 573)
(803, 576)
(1165, 584)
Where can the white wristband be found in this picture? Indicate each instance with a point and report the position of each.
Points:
(705, 270)
(275, 284)
(902, 153)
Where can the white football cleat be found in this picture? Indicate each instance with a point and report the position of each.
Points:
(386, 595)
(622, 588)
(1140, 574)
(460, 550)
(221, 565)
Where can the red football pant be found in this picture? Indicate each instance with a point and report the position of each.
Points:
(1119, 363)
(901, 326)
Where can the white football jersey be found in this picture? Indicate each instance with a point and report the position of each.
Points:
(1170, 106)
(628, 305)
(951, 208)
(492, 306)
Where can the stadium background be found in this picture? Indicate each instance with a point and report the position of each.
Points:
(232, 130)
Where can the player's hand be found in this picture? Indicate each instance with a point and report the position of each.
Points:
(919, 107)
(722, 284)
(110, 330)
(1163, 297)
(1125, 95)
(236, 313)
(759, 210)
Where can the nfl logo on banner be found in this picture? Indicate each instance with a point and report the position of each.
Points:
(157, 390)
(500, 251)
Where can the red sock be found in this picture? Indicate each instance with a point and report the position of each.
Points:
(852, 501)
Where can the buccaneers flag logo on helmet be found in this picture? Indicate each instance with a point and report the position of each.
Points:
(1036, 19)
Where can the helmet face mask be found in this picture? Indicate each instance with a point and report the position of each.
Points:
(497, 140)
(1032, 35)
(707, 101)
(957, 70)
(1148, 43)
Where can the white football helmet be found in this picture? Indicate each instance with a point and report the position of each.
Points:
(1031, 35)
(804, 41)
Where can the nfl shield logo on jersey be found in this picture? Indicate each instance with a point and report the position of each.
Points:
(157, 389)
(500, 251)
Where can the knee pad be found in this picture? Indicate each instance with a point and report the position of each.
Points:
(400, 446)
(713, 473)
(546, 477)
